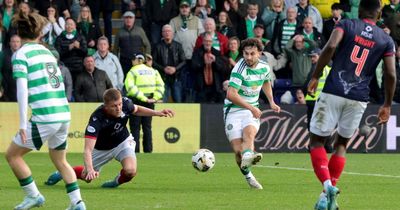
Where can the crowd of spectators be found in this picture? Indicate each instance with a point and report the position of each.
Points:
(194, 44)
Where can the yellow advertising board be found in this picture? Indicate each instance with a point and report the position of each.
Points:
(324, 6)
(180, 134)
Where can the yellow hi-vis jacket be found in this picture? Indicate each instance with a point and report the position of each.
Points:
(143, 82)
(321, 84)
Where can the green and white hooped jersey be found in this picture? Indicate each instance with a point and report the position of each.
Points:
(248, 81)
(46, 92)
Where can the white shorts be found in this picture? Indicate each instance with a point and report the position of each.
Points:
(331, 110)
(37, 134)
(123, 150)
(236, 121)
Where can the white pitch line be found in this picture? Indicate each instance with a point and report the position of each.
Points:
(345, 172)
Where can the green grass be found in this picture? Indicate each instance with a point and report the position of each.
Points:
(168, 181)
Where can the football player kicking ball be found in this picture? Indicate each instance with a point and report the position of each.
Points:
(359, 45)
(241, 112)
(107, 138)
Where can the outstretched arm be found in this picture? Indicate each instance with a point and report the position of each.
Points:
(143, 111)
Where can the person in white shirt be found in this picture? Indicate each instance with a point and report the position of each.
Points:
(54, 27)
(108, 62)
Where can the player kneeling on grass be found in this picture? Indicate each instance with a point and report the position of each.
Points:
(241, 112)
(107, 138)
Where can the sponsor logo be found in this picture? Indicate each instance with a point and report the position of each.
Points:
(287, 132)
(76, 135)
(250, 92)
(392, 133)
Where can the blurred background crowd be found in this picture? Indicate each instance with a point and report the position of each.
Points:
(192, 44)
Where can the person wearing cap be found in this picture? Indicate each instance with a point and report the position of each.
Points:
(129, 40)
(159, 13)
(186, 28)
(144, 87)
(169, 60)
(8, 82)
(247, 24)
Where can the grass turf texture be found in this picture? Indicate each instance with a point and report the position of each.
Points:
(168, 181)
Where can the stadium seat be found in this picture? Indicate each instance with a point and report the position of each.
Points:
(280, 87)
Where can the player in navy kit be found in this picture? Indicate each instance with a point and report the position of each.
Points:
(107, 138)
(357, 46)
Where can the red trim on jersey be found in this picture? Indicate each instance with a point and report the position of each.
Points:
(388, 54)
(340, 29)
(91, 137)
(369, 21)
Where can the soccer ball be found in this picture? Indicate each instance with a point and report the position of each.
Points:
(203, 160)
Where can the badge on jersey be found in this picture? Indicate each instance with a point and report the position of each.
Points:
(91, 129)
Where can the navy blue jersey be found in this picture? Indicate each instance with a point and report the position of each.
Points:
(109, 131)
(363, 46)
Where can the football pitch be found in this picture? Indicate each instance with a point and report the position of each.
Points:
(168, 181)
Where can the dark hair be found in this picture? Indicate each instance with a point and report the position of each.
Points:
(370, 5)
(336, 6)
(369, 8)
(228, 19)
(70, 18)
(252, 42)
(54, 6)
(252, 4)
(29, 26)
(110, 95)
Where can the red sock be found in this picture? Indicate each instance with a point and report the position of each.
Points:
(320, 163)
(336, 166)
(78, 171)
(122, 177)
